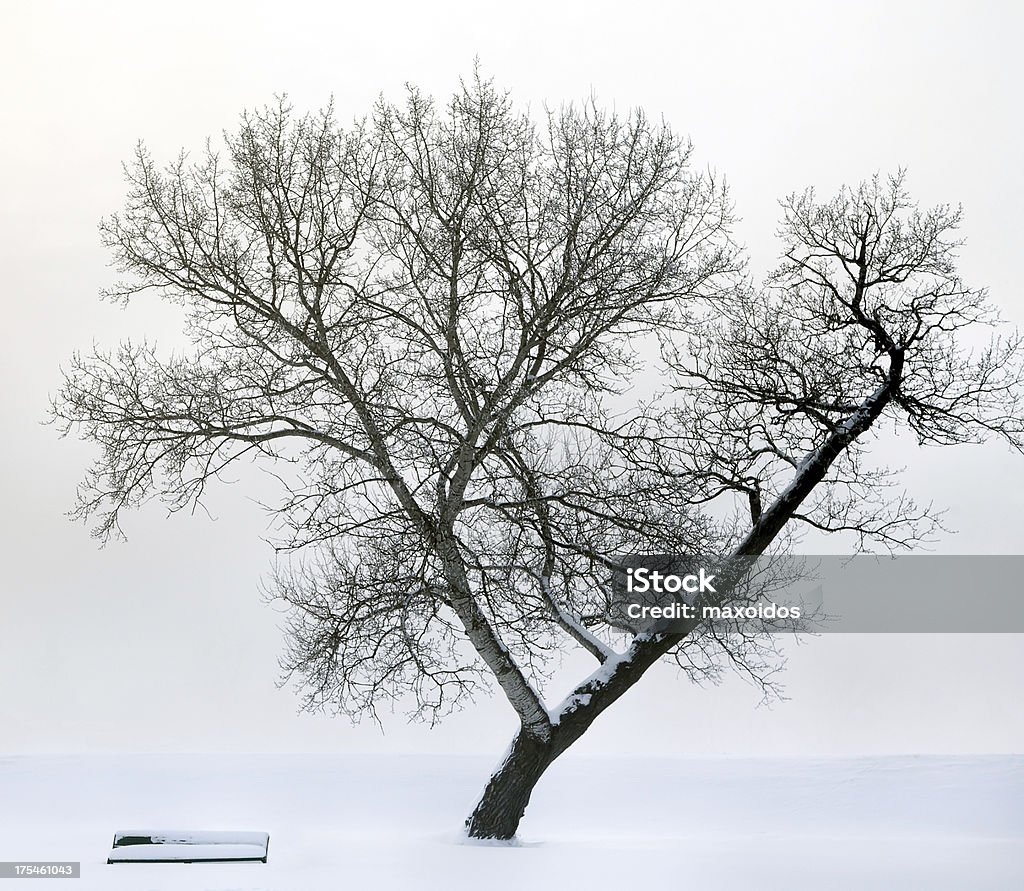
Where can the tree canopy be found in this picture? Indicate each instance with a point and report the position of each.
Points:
(503, 352)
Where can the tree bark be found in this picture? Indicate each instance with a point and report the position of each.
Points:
(508, 791)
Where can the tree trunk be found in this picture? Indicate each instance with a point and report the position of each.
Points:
(508, 791)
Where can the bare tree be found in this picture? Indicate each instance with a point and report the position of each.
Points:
(433, 324)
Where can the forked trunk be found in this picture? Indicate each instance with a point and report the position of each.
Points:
(508, 791)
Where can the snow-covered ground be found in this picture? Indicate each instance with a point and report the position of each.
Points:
(387, 822)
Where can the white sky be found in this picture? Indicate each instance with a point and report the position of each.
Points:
(163, 643)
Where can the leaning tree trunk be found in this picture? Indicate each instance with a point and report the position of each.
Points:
(508, 791)
(504, 800)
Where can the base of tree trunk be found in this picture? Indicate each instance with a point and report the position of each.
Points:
(508, 791)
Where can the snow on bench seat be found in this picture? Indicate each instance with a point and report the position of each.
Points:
(188, 847)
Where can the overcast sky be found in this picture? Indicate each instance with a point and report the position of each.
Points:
(163, 643)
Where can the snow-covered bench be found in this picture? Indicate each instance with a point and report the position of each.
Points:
(188, 847)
